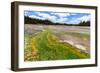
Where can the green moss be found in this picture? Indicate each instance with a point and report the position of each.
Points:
(49, 48)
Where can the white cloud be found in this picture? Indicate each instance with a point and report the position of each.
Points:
(53, 18)
(47, 16)
(62, 20)
(84, 18)
(37, 17)
(44, 15)
(61, 14)
(73, 14)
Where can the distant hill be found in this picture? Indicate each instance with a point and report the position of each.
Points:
(28, 20)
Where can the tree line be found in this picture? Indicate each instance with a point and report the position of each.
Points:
(28, 20)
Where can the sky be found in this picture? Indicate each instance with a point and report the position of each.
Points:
(59, 17)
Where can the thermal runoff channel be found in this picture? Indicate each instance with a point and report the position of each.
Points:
(56, 36)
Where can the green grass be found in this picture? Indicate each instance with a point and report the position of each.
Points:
(46, 46)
